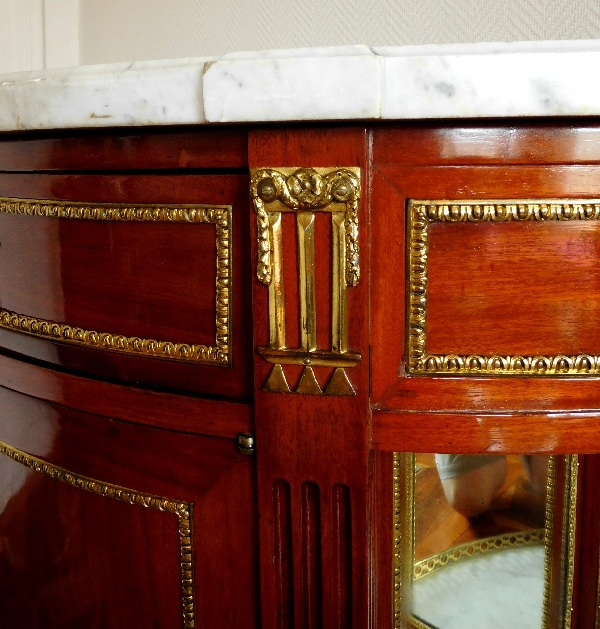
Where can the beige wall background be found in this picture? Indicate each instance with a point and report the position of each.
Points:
(37, 34)
(53, 33)
(120, 30)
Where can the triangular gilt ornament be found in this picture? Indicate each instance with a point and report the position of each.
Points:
(339, 384)
(308, 383)
(276, 381)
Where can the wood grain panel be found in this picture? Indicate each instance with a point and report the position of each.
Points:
(388, 277)
(282, 543)
(181, 413)
(312, 581)
(342, 556)
(473, 433)
(485, 142)
(502, 394)
(587, 590)
(494, 181)
(121, 149)
(524, 288)
(382, 514)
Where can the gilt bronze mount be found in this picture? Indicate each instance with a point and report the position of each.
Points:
(305, 191)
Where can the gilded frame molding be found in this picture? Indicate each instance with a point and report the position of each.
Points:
(403, 540)
(421, 214)
(217, 215)
(183, 511)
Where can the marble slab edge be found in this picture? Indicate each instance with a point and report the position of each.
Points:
(293, 89)
(491, 82)
(337, 83)
(490, 86)
(115, 95)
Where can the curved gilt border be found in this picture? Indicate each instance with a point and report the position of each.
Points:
(420, 215)
(463, 552)
(183, 511)
(219, 216)
(417, 623)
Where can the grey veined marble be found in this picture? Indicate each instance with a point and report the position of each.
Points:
(339, 83)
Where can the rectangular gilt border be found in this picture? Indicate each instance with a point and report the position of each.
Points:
(423, 213)
(217, 215)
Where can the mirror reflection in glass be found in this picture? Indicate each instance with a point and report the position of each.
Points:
(479, 541)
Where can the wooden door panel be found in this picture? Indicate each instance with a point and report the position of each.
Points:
(58, 540)
(109, 524)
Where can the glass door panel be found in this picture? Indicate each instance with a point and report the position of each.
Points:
(488, 540)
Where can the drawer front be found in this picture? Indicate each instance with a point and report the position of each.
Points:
(486, 289)
(133, 278)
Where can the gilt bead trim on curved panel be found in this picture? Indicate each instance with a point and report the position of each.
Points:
(218, 354)
(183, 511)
(421, 215)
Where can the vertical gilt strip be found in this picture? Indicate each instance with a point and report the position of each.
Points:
(306, 265)
(339, 307)
(276, 291)
(403, 537)
(549, 541)
(570, 535)
(397, 562)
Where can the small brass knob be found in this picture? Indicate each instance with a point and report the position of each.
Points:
(246, 443)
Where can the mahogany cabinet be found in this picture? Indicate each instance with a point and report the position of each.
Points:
(221, 350)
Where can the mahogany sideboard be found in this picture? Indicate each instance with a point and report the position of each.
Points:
(214, 341)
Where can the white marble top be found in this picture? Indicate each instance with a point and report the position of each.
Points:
(341, 83)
